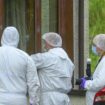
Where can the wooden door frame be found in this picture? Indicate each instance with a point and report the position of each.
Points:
(1, 17)
(65, 16)
(65, 25)
(37, 25)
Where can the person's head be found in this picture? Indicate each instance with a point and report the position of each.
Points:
(10, 37)
(52, 40)
(99, 44)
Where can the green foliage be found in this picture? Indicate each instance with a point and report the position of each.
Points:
(94, 60)
(96, 23)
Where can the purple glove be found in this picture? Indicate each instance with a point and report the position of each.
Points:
(82, 85)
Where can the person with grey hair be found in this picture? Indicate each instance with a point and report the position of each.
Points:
(18, 73)
(96, 87)
(55, 71)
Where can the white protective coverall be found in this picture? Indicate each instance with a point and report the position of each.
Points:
(55, 72)
(18, 75)
(98, 82)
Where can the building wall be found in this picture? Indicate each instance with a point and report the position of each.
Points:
(78, 100)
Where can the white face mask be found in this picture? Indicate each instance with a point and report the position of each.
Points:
(94, 50)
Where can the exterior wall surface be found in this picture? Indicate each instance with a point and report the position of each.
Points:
(78, 100)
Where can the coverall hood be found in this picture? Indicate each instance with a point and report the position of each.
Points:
(10, 37)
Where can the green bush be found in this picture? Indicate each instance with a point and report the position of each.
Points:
(96, 24)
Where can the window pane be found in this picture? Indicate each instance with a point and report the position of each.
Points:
(20, 13)
(49, 14)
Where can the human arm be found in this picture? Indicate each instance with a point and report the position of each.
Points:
(98, 78)
(33, 83)
(39, 59)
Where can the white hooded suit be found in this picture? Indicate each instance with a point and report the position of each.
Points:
(55, 73)
(18, 75)
(98, 82)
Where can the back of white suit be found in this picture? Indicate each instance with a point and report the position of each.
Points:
(55, 73)
(18, 75)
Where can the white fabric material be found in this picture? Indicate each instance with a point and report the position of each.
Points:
(53, 39)
(55, 73)
(99, 41)
(18, 74)
(98, 82)
(10, 37)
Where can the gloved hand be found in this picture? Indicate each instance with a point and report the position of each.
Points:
(82, 85)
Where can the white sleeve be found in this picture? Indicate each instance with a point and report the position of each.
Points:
(33, 82)
(99, 81)
(38, 60)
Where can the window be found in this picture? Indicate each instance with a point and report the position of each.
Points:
(21, 14)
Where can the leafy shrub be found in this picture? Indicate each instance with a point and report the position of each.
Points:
(96, 24)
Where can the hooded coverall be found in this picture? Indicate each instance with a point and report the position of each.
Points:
(55, 71)
(98, 82)
(18, 74)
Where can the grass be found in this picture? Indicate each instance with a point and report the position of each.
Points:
(96, 24)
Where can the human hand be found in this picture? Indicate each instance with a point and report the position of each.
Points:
(83, 81)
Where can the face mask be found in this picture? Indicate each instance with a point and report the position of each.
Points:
(94, 50)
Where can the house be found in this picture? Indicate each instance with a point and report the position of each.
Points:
(69, 18)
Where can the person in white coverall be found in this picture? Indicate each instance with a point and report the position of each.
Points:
(18, 74)
(55, 71)
(98, 81)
